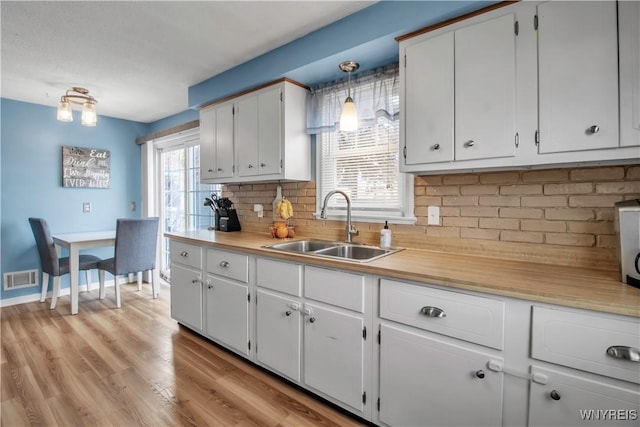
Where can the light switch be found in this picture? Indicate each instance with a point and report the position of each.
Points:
(433, 215)
(86, 207)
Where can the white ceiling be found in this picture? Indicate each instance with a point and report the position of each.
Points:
(138, 58)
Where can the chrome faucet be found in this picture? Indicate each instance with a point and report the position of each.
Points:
(349, 230)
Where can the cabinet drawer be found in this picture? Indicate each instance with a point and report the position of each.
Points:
(470, 318)
(280, 276)
(335, 287)
(228, 264)
(186, 254)
(582, 341)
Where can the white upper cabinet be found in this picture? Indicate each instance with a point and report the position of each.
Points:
(262, 137)
(216, 142)
(485, 99)
(578, 76)
(428, 101)
(529, 84)
(258, 121)
(629, 23)
(459, 94)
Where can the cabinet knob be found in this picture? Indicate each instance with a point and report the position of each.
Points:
(219, 169)
(594, 129)
(184, 254)
(262, 165)
(430, 311)
(224, 264)
(469, 143)
(194, 281)
(554, 395)
(480, 373)
(312, 320)
(209, 286)
(435, 147)
(210, 170)
(250, 166)
(287, 313)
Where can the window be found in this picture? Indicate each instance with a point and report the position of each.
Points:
(364, 164)
(181, 205)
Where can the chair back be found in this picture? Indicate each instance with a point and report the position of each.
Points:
(46, 247)
(136, 243)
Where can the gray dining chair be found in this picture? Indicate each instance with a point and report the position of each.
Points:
(51, 264)
(135, 251)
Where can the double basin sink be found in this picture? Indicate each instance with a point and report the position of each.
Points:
(337, 250)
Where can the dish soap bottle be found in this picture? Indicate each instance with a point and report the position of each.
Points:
(278, 199)
(385, 236)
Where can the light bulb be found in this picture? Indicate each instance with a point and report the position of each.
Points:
(89, 115)
(349, 116)
(64, 112)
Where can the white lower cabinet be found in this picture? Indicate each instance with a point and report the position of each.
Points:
(186, 296)
(227, 313)
(334, 354)
(562, 399)
(427, 382)
(278, 333)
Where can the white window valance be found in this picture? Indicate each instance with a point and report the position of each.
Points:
(371, 92)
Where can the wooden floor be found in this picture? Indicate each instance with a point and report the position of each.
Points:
(135, 366)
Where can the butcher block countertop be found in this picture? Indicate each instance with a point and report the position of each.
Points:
(589, 289)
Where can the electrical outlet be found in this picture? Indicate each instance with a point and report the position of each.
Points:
(433, 215)
(86, 207)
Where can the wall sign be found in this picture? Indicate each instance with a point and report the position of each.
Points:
(85, 167)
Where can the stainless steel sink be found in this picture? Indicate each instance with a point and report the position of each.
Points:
(356, 252)
(302, 245)
(336, 250)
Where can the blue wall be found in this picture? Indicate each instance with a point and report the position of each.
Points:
(30, 178)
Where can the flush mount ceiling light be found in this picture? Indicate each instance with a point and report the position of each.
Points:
(79, 96)
(349, 116)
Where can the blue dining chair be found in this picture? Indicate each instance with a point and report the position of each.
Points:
(51, 264)
(135, 251)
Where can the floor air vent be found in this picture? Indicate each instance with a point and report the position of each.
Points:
(20, 279)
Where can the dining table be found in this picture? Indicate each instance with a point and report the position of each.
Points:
(75, 242)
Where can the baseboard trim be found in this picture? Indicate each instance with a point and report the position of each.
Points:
(23, 299)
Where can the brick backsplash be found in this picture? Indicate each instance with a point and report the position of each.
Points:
(555, 216)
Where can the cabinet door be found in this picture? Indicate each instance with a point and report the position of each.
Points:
(227, 315)
(246, 127)
(224, 141)
(278, 334)
(629, 24)
(428, 101)
(186, 296)
(558, 399)
(207, 143)
(426, 382)
(269, 131)
(334, 354)
(578, 76)
(485, 94)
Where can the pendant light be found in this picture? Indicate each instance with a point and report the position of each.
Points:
(79, 96)
(349, 115)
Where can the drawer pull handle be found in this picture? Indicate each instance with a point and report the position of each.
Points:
(224, 264)
(433, 311)
(287, 313)
(624, 352)
(184, 254)
(469, 143)
(554, 395)
(435, 147)
(594, 129)
(480, 373)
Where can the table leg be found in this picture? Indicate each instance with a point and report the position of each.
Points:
(74, 265)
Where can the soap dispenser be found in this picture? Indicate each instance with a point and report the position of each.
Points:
(385, 236)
